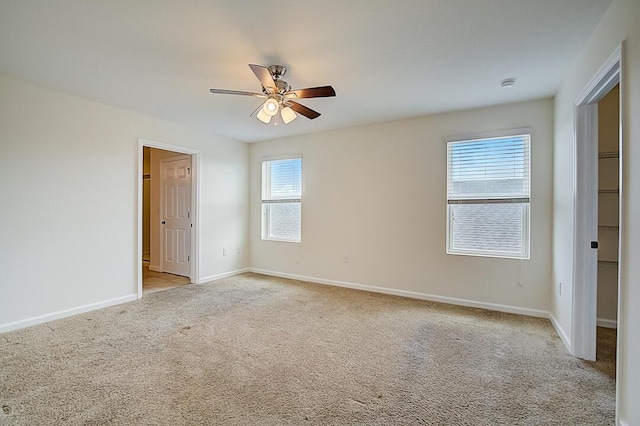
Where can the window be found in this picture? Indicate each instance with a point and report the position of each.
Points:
(488, 190)
(282, 199)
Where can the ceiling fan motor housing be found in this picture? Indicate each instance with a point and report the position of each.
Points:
(277, 71)
(282, 86)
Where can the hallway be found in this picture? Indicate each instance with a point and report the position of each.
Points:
(157, 281)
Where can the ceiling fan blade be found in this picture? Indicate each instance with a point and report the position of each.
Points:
(312, 92)
(303, 110)
(237, 92)
(264, 76)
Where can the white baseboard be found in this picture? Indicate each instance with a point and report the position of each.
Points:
(65, 313)
(623, 423)
(203, 280)
(561, 333)
(155, 268)
(606, 323)
(98, 305)
(411, 294)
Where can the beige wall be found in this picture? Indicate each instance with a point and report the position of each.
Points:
(378, 194)
(619, 23)
(608, 121)
(69, 240)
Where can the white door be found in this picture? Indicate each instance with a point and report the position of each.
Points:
(175, 215)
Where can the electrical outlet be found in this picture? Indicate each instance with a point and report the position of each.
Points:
(225, 252)
(560, 288)
(346, 258)
(238, 251)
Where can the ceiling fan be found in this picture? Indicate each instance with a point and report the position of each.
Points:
(279, 96)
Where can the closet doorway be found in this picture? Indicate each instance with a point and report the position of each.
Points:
(608, 224)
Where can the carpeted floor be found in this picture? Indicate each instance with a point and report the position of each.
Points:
(256, 350)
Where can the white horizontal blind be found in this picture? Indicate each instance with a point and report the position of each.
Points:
(488, 190)
(282, 199)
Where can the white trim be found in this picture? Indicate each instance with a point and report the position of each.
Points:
(624, 166)
(524, 199)
(280, 157)
(623, 423)
(603, 80)
(490, 134)
(66, 313)
(607, 323)
(561, 333)
(214, 277)
(267, 201)
(139, 209)
(411, 294)
(583, 321)
(195, 207)
(584, 316)
(585, 230)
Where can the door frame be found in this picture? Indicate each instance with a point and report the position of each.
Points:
(585, 259)
(195, 206)
(162, 208)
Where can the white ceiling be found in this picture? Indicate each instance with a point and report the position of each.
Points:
(386, 59)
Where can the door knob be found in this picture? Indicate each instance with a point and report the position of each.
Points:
(164, 222)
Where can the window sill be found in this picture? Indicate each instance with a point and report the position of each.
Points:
(492, 255)
(278, 240)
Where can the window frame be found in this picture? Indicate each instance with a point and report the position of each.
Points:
(524, 253)
(265, 213)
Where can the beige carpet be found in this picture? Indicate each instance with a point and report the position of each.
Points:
(254, 350)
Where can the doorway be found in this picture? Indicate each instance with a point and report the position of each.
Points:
(167, 216)
(586, 231)
(586, 236)
(608, 226)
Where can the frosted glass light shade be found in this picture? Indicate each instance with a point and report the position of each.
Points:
(263, 116)
(288, 115)
(270, 107)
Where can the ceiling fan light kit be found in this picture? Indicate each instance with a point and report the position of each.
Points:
(270, 107)
(288, 115)
(263, 116)
(280, 96)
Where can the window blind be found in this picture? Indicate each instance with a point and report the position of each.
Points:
(484, 169)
